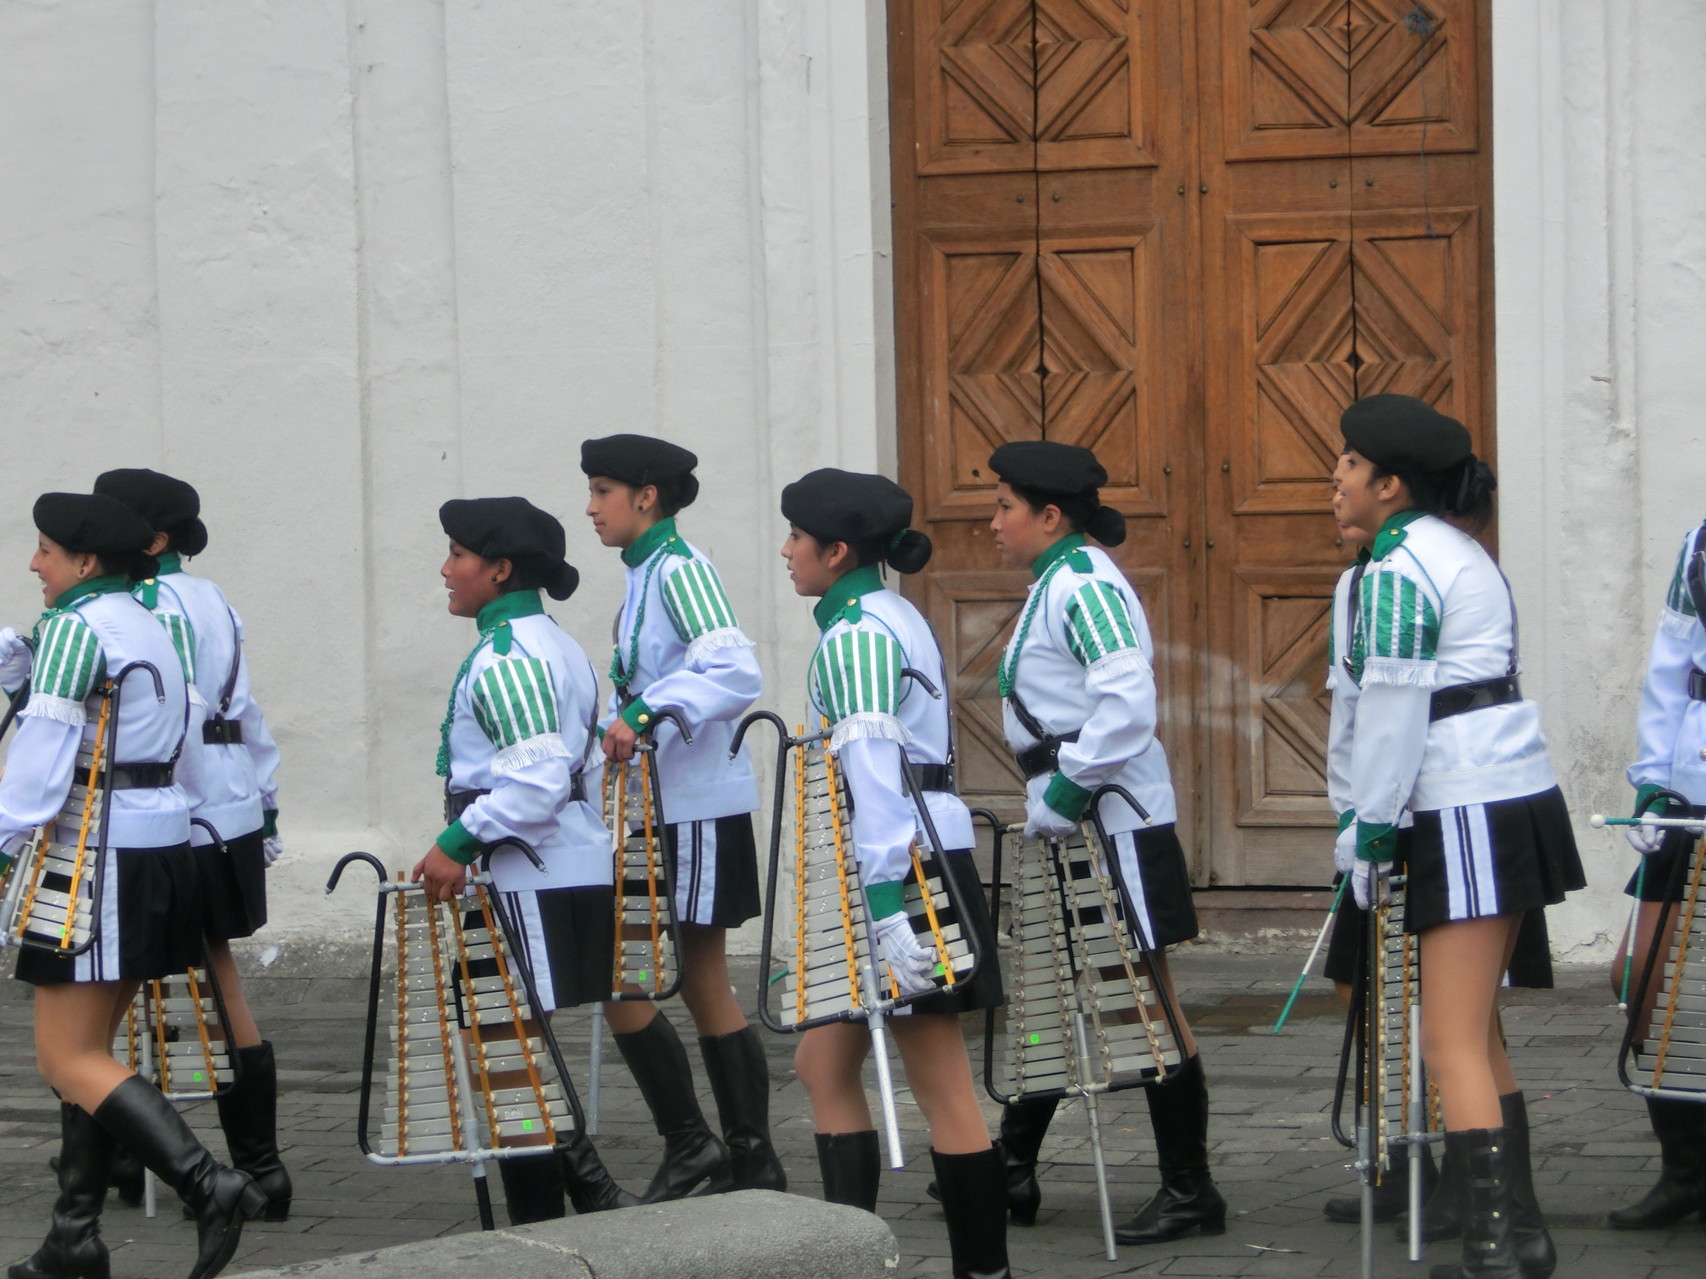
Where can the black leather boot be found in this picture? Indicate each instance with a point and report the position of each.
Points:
(1178, 1112)
(589, 1186)
(533, 1187)
(1680, 1127)
(1024, 1124)
(740, 1080)
(1392, 1195)
(852, 1166)
(1535, 1252)
(125, 1177)
(972, 1188)
(73, 1247)
(249, 1115)
(1442, 1215)
(691, 1151)
(223, 1199)
(1489, 1240)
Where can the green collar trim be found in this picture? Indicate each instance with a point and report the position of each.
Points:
(1059, 551)
(170, 562)
(106, 584)
(842, 599)
(646, 544)
(498, 614)
(1391, 535)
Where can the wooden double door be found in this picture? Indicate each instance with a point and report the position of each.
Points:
(1184, 233)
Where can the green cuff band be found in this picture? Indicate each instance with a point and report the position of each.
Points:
(637, 715)
(1346, 818)
(1376, 842)
(1647, 800)
(1066, 796)
(885, 899)
(269, 823)
(458, 845)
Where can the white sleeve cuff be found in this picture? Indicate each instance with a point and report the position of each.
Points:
(1677, 625)
(711, 641)
(535, 750)
(868, 724)
(1399, 671)
(65, 710)
(1113, 668)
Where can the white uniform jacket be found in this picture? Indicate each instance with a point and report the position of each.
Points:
(231, 784)
(1433, 612)
(1670, 729)
(92, 634)
(521, 727)
(869, 635)
(679, 648)
(1080, 660)
(1344, 689)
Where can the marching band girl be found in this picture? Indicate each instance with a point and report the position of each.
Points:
(1670, 756)
(679, 648)
(1440, 730)
(518, 752)
(90, 551)
(843, 528)
(231, 782)
(1080, 712)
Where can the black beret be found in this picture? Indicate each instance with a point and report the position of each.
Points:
(637, 460)
(847, 506)
(89, 523)
(170, 505)
(1048, 467)
(512, 528)
(1402, 434)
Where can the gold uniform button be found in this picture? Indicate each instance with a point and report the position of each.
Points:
(644, 719)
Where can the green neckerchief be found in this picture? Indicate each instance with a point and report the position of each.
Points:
(494, 620)
(659, 534)
(106, 584)
(148, 589)
(654, 545)
(842, 599)
(1391, 535)
(1044, 567)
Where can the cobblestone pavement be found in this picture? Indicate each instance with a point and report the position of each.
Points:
(1274, 1156)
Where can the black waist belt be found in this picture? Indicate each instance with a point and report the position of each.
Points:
(1697, 685)
(1460, 698)
(140, 776)
(1042, 758)
(220, 731)
(457, 802)
(936, 777)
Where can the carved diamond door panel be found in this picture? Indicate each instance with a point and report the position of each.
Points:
(970, 72)
(1097, 85)
(1327, 78)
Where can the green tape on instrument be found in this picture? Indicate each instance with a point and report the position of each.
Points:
(1036, 1038)
(199, 1076)
(526, 1125)
(644, 975)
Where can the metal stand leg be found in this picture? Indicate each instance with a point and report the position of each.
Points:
(471, 1134)
(877, 1020)
(1418, 1130)
(1095, 1119)
(595, 1067)
(150, 1192)
(1365, 1145)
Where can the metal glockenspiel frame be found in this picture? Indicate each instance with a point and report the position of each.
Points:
(830, 941)
(648, 936)
(1670, 1060)
(445, 1100)
(49, 894)
(1085, 1014)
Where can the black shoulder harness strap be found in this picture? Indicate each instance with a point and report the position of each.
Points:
(1695, 576)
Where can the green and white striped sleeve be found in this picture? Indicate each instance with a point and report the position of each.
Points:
(1102, 635)
(68, 666)
(515, 704)
(1679, 613)
(855, 680)
(694, 597)
(1398, 629)
(183, 640)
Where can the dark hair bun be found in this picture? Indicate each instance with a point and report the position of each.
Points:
(687, 490)
(1106, 525)
(909, 552)
(188, 538)
(563, 580)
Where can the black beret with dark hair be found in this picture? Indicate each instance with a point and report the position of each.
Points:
(512, 528)
(1402, 434)
(847, 506)
(170, 505)
(636, 460)
(1048, 467)
(91, 523)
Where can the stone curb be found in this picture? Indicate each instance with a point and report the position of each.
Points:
(756, 1234)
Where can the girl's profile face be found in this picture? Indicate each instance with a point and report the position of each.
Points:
(472, 580)
(58, 568)
(813, 566)
(1021, 531)
(619, 512)
(1362, 503)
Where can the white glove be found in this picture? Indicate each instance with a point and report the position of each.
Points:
(912, 967)
(1042, 822)
(272, 848)
(1647, 838)
(15, 659)
(1362, 883)
(1345, 850)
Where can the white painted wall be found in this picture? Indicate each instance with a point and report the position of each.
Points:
(338, 260)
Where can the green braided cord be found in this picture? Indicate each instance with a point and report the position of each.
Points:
(1008, 673)
(619, 677)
